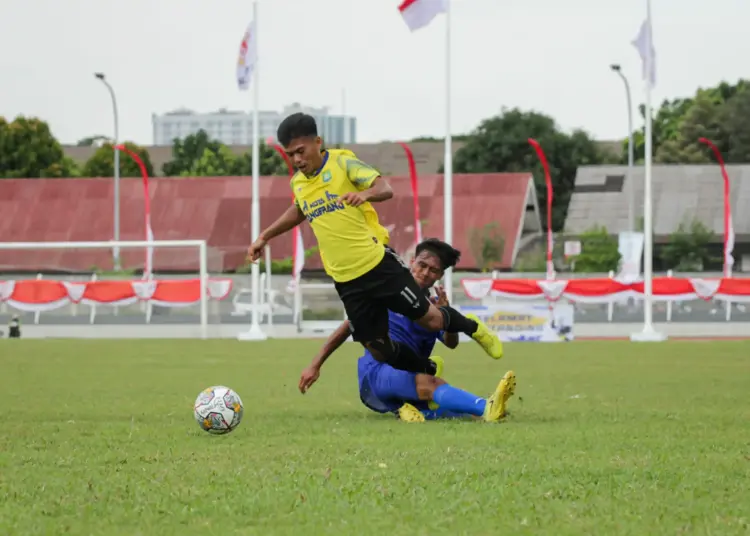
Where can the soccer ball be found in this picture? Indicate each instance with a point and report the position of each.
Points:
(218, 410)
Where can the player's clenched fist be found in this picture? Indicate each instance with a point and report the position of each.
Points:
(354, 199)
(255, 249)
(441, 298)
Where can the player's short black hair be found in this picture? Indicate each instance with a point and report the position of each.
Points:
(297, 125)
(448, 255)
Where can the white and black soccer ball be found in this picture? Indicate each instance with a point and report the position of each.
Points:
(218, 410)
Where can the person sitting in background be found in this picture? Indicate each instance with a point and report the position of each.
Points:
(14, 328)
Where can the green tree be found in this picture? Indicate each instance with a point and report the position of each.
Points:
(500, 144)
(68, 168)
(271, 163)
(687, 248)
(599, 251)
(29, 150)
(664, 126)
(188, 151)
(703, 118)
(678, 126)
(198, 155)
(487, 244)
(102, 162)
(213, 163)
(735, 117)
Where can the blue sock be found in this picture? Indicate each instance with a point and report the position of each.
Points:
(454, 399)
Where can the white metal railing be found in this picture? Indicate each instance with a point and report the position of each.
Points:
(274, 302)
(270, 302)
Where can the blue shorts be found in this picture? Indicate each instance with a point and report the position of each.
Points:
(383, 388)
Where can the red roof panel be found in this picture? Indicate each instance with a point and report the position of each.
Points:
(217, 209)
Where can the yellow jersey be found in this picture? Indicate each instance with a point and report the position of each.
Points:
(351, 241)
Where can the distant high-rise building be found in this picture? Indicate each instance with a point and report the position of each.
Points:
(236, 128)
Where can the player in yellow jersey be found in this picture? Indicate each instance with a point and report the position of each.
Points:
(334, 191)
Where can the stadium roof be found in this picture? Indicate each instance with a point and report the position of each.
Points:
(681, 193)
(217, 209)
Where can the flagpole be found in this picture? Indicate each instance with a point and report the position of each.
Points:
(255, 333)
(648, 334)
(448, 159)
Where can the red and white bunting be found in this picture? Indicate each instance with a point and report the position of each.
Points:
(606, 290)
(46, 295)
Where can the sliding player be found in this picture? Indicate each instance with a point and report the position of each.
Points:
(416, 397)
(334, 191)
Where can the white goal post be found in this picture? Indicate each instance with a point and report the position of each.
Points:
(19, 291)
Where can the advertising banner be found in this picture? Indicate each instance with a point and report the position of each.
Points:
(526, 322)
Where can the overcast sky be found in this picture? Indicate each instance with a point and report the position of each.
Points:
(548, 55)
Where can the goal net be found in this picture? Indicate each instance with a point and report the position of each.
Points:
(134, 289)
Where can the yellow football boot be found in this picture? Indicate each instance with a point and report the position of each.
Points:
(409, 413)
(439, 366)
(486, 338)
(498, 401)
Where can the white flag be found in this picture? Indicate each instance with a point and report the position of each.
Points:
(298, 260)
(299, 253)
(247, 58)
(729, 259)
(644, 43)
(148, 269)
(419, 13)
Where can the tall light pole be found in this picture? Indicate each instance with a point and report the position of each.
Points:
(116, 226)
(631, 189)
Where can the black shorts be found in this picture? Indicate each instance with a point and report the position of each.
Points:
(368, 298)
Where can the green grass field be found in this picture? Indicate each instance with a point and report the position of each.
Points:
(604, 438)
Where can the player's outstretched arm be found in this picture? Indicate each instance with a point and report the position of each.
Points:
(311, 374)
(290, 219)
(379, 191)
(367, 180)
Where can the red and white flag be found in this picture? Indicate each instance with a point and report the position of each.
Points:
(148, 267)
(728, 225)
(247, 58)
(419, 13)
